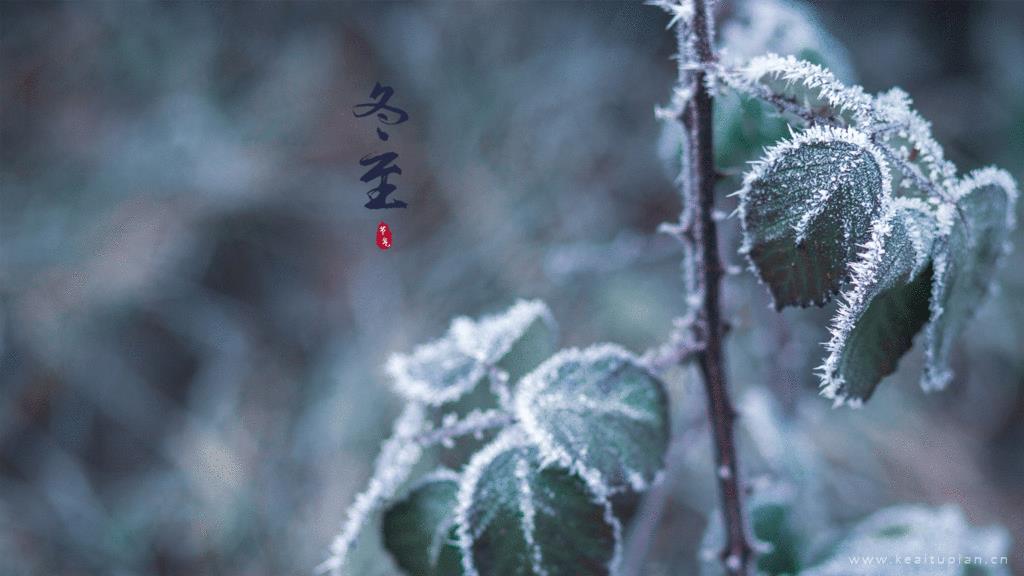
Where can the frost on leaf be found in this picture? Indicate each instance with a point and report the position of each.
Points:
(394, 464)
(419, 530)
(885, 305)
(801, 81)
(743, 123)
(942, 535)
(445, 369)
(598, 412)
(516, 516)
(436, 372)
(965, 261)
(911, 140)
(807, 207)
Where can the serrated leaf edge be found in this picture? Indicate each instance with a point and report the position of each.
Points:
(852, 99)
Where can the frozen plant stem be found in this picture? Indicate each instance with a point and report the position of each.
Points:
(704, 273)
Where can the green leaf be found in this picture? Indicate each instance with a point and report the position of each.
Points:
(884, 307)
(598, 412)
(773, 525)
(743, 127)
(806, 209)
(965, 261)
(419, 531)
(519, 518)
(435, 373)
(445, 369)
(536, 343)
(928, 542)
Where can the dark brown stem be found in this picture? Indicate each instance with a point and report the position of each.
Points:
(705, 273)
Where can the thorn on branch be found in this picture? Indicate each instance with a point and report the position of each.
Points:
(682, 231)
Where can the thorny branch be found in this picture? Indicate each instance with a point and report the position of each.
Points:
(703, 267)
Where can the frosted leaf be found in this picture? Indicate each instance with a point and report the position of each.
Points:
(811, 93)
(806, 208)
(912, 141)
(516, 516)
(397, 457)
(965, 262)
(419, 531)
(445, 369)
(435, 373)
(917, 541)
(598, 412)
(885, 305)
(491, 337)
(801, 80)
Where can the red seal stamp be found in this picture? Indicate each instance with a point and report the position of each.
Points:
(383, 236)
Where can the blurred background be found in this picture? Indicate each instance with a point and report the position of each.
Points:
(194, 316)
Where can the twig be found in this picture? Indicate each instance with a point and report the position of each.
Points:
(475, 422)
(705, 271)
(680, 348)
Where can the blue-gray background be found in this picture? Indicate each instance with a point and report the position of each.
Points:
(194, 317)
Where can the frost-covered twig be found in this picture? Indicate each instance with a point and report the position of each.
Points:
(498, 380)
(476, 422)
(682, 346)
(840, 98)
(703, 271)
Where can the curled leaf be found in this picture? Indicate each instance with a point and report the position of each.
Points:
(884, 307)
(806, 209)
(966, 256)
